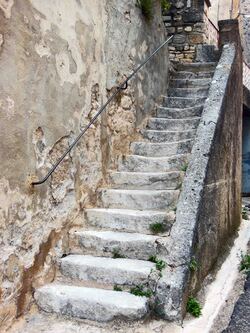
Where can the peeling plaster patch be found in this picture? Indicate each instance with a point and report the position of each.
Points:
(6, 6)
(42, 49)
(70, 65)
(7, 107)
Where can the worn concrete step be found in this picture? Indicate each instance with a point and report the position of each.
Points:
(90, 303)
(183, 102)
(168, 136)
(106, 271)
(146, 180)
(129, 220)
(138, 163)
(175, 113)
(196, 67)
(107, 243)
(139, 199)
(190, 83)
(191, 75)
(161, 149)
(188, 92)
(163, 124)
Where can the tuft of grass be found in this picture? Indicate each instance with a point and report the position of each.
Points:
(146, 7)
(193, 265)
(157, 228)
(245, 263)
(193, 307)
(116, 254)
(184, 167)
(244, 213)
(116, 288)
(165, 5)
(159, 264)
(141, 291)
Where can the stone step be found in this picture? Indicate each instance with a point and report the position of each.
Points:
(196, 67)
(139, 199)
(183, 102)
(106, 271)
(90, 303)
(190, 83)
(138, 163)
(108, 243)
(188, 92)
(146, 180)
(163, 124)
(168, 136)
(175, 113)
(128, 220)
(161, 149)
(191, 75)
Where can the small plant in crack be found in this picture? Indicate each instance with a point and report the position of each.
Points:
(116, 254)
(159, 264)
(184, 167)
(244, 213)
(193, 307)
(117, 288)
(146, 7)
(193, 265)
(140, 290)
(245, 263)
(157, 228)
(175, 209)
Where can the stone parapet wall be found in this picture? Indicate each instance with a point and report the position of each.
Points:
(209, 209)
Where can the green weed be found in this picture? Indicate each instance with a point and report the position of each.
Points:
(245, 263)
(193, 265)
(141, 291)
(157, 228)
(159, 264)
(193, 307)
(244, 214)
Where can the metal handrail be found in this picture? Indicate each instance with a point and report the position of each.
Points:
(122, 86)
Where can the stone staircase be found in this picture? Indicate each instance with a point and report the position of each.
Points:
(116, 262)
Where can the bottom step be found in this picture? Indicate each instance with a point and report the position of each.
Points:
(90, 303)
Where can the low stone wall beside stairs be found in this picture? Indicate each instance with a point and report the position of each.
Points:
(209, 208)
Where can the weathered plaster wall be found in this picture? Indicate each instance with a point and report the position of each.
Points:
(209, 209)
(58, 62)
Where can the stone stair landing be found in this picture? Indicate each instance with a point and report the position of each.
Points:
(112, 256)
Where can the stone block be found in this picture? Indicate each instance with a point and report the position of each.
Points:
(188, 28)
(196, 38)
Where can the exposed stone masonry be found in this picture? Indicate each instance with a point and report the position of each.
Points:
(187, 25)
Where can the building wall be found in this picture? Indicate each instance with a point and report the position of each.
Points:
(59, 61)
(185, 21)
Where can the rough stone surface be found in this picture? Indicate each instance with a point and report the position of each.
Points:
(162, 149)
(139, 199)
(106, 270)
(59, 62)
(153, 164)
(150, 180)
(209, 209)
(240, 320)
(129, 220)
(90, 303)
(106, 243)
